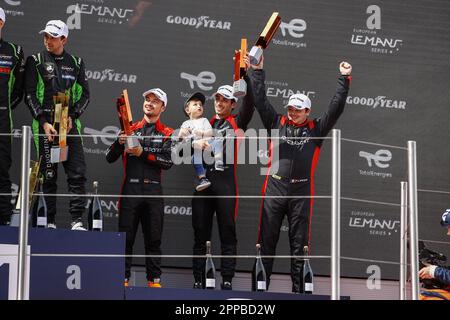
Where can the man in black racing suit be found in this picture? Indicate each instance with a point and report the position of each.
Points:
(47, 73)
(143, 166)
(223, 183)
(297, 159)
(12, 67)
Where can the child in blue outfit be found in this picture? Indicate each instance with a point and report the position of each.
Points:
(199, 129)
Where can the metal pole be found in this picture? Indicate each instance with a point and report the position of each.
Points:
(335, 214)
(403, 238)
(413, 210)
(23, 227)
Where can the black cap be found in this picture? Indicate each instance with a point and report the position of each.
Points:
(195, 96)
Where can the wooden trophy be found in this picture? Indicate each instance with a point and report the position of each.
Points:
(264, 39)
(239, 84)
(33, 178)
(59, 150)
(125, 119)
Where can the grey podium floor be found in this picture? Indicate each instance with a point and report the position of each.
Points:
(356, 289)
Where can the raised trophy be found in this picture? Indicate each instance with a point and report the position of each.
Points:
(239, 84)
(59, 149)
(125, 119)
(264, 39)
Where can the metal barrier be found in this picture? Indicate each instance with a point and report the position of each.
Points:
(408, 218)
(336, 214)
(413, 224)
(403, 239)
(23, 232)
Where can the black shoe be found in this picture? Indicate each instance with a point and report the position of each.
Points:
(5, 221)
(198, 285)
(226, 285)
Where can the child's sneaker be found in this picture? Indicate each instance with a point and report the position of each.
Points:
(203, 184)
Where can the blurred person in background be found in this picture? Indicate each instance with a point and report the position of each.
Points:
(438, 273)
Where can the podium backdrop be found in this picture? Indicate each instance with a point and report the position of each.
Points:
(399, 52)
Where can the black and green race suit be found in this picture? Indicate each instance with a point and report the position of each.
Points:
(46, 75)
(12, 68)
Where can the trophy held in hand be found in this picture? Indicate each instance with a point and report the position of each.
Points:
(126, 118)
(239, 84)
(264, 39)
(59, 150)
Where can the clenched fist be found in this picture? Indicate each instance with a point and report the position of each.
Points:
(345, 68)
